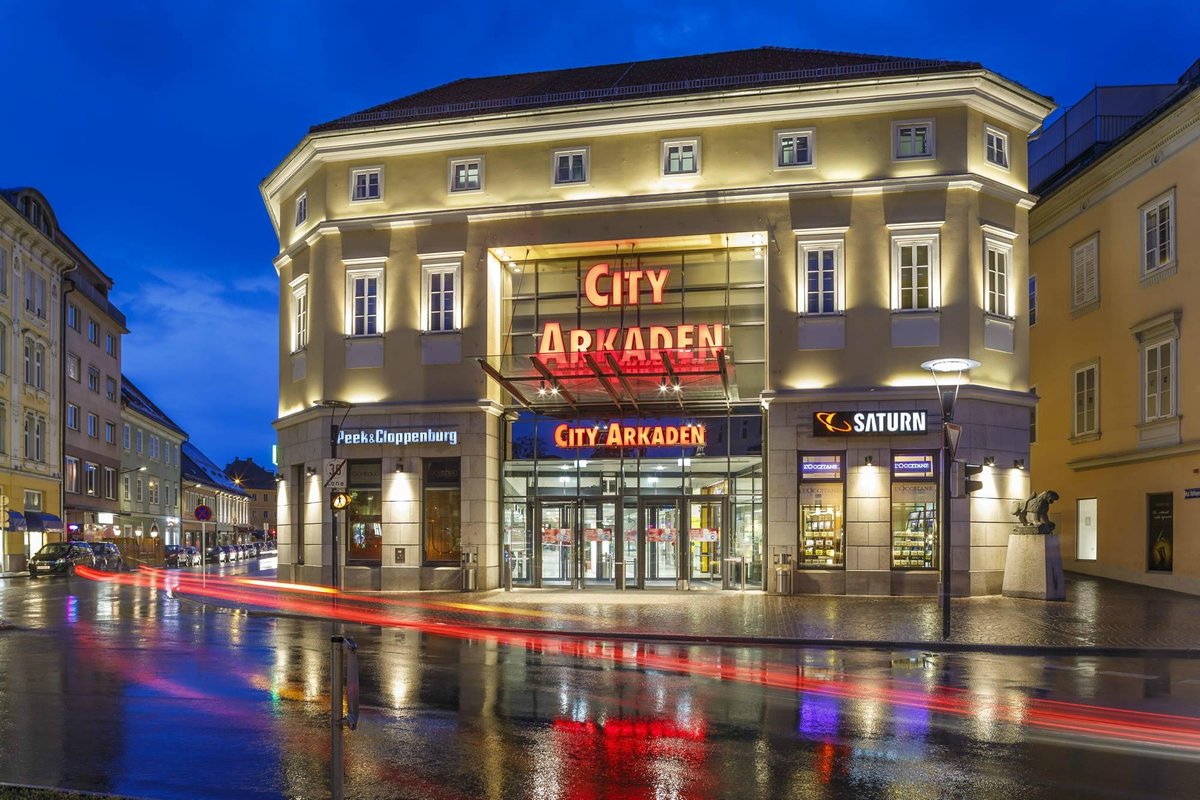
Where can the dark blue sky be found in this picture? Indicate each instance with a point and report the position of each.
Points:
(149, 126)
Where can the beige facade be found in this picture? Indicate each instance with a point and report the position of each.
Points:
(1117, 279)
(881, 214)
(31, 269)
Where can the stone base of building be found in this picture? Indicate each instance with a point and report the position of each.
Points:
(1033, 568)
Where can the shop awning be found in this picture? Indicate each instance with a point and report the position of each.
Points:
(42, 521)
(656, 381)
(15, 522)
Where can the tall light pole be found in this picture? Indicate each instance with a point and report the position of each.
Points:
(334, 429)
(947, 400)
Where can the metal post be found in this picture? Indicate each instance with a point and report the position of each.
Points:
(945, 532)
(337, 766)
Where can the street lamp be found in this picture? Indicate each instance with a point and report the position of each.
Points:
(334, 429)
(947, 400)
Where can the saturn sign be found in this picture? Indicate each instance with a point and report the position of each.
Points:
(869, 423)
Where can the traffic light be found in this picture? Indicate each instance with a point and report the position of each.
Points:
(969, 471)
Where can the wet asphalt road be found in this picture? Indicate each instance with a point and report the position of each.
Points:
(125, 689)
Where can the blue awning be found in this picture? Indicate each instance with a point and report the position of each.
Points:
(41, 521)
(16, 521)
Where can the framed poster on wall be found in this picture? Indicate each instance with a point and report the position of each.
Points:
(1160, 532)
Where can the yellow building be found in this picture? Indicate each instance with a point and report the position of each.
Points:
(31, 270)
(1115, 272)
(608, 328)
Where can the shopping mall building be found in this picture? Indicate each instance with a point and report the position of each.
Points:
(657, 325)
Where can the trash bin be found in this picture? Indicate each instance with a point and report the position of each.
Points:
(470, 572)
(783, 573)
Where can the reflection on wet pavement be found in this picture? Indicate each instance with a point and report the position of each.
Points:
(118, 687)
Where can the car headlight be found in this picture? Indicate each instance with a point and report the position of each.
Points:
(60, 561)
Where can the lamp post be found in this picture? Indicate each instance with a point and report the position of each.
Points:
(334, 429)
(947, 400)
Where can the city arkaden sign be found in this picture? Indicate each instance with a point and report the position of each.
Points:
(869, 423)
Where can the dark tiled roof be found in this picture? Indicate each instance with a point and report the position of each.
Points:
(198, 468)
(661, 77)
(250, 474)
(134, 399)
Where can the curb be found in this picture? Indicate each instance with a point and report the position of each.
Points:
(1114, 651)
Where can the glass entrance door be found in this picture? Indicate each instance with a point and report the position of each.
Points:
(600, 540)
(705, 543)
(556, 521)
(660, 531)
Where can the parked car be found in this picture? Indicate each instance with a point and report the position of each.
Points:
(215, 555)
(61, 558)
(230, 553)
(179, 556)
(107, 555)
(248, 551)
(193, 557)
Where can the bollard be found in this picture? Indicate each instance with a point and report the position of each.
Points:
(343, 687)
(508, 569)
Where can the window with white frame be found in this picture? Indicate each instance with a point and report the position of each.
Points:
(1085, 273)
(27, 350)
(466, 174)
(1032, 300)
(139, 440)
(441, 297)
(300, 314)
(913, 139)
(39, 438)
(154, 494)
(93, 332)
(570, 166)
(366, 183)
(93, 426)
(39, 366)
(3, 428)
(35, 293)
(110, 432)
(71, 474)
(1158, 379)
(1086, 394)
(3, 271)
(996, 146)
(125, 436)
(301, 208)
(153, 446)
(110, 344)
(91, 478)
(794, 149)
(364, 303)
(73, 317)
(125, 493)
(997, 266)
(3, 348)
(110, 483)
(821, 281)
(73, 367)
(915, 273)
(138, 495)
(94, 380)
(1158, 233)
(681, 157)
(72, 416)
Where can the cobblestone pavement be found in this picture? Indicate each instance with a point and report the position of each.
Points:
(1098, 614)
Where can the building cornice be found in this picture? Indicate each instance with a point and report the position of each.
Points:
(310, 413)
(1134, 456)
(919, 393)
(980, 90)
(1130, 160)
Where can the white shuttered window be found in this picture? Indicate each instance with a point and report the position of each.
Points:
(1085, 273)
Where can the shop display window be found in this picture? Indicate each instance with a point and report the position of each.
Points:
(442, 512)
(914, 511)
(364, 538)
(822, 495)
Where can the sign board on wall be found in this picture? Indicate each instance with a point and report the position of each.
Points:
(823, 467)
(913, 467)
(870, 423)
(1191, 494)
(399, 437)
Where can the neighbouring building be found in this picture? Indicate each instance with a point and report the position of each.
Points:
(1115, 270)
(92, 331)
(614, 327)
(151, 459)
(206, 485)
(260, 486)
(32, 266)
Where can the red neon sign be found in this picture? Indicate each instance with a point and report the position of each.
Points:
(618, 435)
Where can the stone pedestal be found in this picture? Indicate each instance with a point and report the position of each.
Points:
(1033, 567)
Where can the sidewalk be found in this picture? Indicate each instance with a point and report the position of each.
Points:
(1099, 616)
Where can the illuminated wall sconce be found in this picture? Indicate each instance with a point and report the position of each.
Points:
(310, 471)
(989, 461)
(1019, 463)
(869, 461)
(399, 466)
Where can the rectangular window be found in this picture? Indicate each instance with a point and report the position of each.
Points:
(1085, 273)
(35, 294)
(72, 317)
(110, 483)
(91, 478)
(1158, 233)
(570, 166)
(1032, 300)
(94, 379)
(364, 309)
(138, 490)
(466, 174)
(3, 348)
(681, 157)
(914, 511)
(39, 366)
(110, 389)
(301, 208)
(110, 432)
(364, 542)
(73, 367)
(1086, 417)
(139, 440)
(72, 416)
(441, 511)
(125, 487)
(125, 436)
(33, 500)
(1086, 525)
(996, 146)
(915, 274)
(913, 139)
(794, 149)
(300, 316)
(366, 184)
(1158, 373)
(820, 277)
(93, 332)
(110, 344)
(71, 474)
(998, 302)
(153, 446)
(4, 271)
(822, 505)
(441, 297)
(3, 430)
(153, 488)
(39, 439)
(93, 426)
(27, 349)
